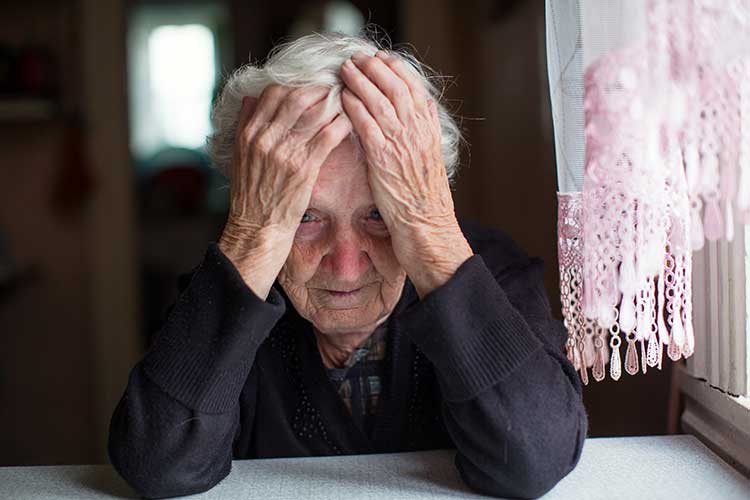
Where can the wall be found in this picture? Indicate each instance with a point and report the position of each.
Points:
(68, 332)
(45, 375)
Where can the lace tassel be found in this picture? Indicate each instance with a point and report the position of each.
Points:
(600, 357)
(615, 364)
(652, 358)
(631, 357)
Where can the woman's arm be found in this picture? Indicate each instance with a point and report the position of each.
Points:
(511, 400)
(172, 431)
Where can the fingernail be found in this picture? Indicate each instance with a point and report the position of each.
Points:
(381, 54)
(359, 55)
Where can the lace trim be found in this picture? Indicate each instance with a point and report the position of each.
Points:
(667, 166)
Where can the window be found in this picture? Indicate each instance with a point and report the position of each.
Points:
(716, 380)
(182, 72)
(173, 69)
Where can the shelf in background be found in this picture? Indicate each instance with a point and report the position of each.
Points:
(28, 109)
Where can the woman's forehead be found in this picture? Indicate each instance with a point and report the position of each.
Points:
(342, 180)
(346, 154)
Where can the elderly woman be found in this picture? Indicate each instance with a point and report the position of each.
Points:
(344, 310)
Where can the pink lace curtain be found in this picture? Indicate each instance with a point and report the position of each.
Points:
(651, 108)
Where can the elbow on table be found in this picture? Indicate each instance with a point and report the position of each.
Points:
(523, 481)
(164, 480)
(527, 475)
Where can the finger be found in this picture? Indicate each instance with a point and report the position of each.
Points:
(377, 103)
(389, 83)
(432, 105)
(308, 125)
(237, 171)
(362, 121)
(268, 103)
(249, 104)
(327, 139)
(297, 102)
(406, 73)
(313, 119)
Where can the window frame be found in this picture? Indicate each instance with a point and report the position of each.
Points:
(714, 381)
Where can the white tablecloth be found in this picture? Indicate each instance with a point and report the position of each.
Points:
(639, 468)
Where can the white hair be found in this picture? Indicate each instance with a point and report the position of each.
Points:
(316, 59)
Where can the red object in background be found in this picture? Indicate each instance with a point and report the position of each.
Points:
(74, 182)
(36, 72)
(185, 185)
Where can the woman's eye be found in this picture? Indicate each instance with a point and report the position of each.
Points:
(375, 214)
(307, 217)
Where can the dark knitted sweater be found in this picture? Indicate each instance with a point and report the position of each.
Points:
(478, 365)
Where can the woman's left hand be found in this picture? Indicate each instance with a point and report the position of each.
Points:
(398, 126)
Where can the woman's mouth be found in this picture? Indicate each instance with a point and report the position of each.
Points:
(339, 293)
(343, 299)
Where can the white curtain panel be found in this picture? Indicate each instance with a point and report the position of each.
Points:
(651, 109)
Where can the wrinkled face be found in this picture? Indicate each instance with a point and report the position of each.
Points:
(342, 274)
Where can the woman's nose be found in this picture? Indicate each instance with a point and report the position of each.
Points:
(347, 258)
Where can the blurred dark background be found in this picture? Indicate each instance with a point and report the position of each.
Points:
(106, 194)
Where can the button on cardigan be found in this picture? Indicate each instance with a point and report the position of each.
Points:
(477, 365)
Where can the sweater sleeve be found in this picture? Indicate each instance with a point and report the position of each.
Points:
(172, 432)
(511, 399)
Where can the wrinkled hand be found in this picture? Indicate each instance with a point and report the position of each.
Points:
(399, 129)
(282, 140)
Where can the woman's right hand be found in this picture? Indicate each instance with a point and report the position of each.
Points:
(282, 139)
